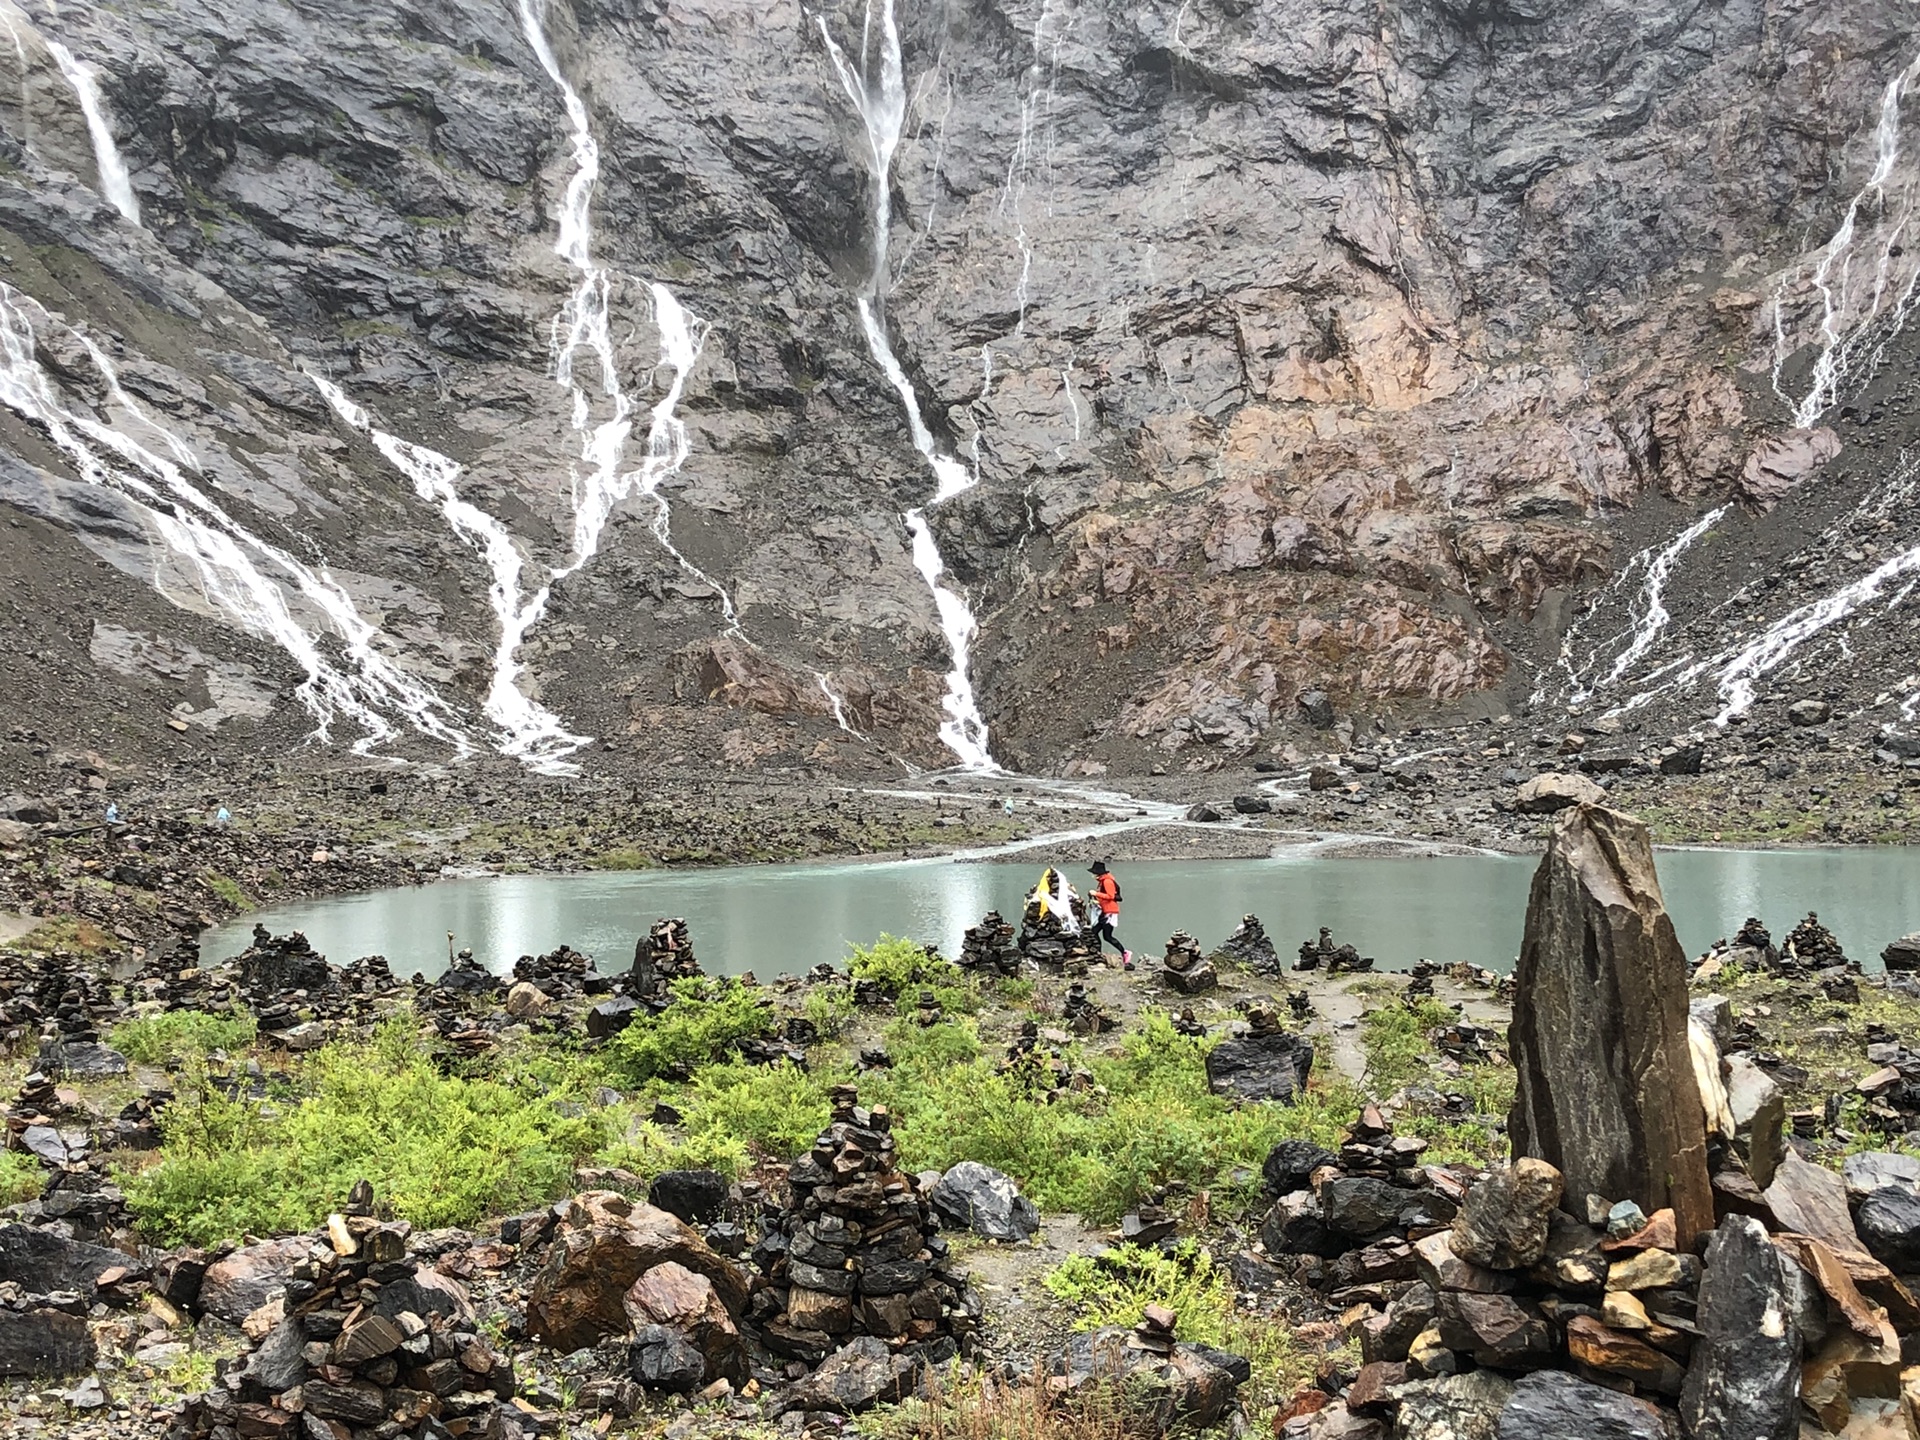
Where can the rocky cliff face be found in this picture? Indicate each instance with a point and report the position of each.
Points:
(1284, 347)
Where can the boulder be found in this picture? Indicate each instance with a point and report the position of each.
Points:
(859, 1375)
(1252, 804)
(1452, 1407)
(1743, 1382)
(1359, 1206)
(1551, 1403)
(664, 1359)
(240, 1284)
(39, 1343)
(1296, 1226)
(1203, 813)
(976, 1197)
(1316, 707)
(578, 1298)
(82, 1060)
(1555, 791)
(526, 1000)
(42, 1261)
(1599, 1040)
(1809, 712)
(1888, 1222)
(1759, 1112)
(1503, 1222)
(1903, 954)
(673, 1296)
(1271, 1066)
(610, 1017)
(1289, 1166)
(698, 1197)
(1872, 1170)
(29, 810)
(1187, 1385)
(1812, 1200)
(280, 1363)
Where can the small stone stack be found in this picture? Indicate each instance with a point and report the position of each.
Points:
(1183, 969)
(1811, 946)
(363, 1344)
(563, 974)
(1082, 1014)
(1250, 948)
(991, 945)
(857, 1254)
(1335, 959)
(662, 955)
(1050, 944)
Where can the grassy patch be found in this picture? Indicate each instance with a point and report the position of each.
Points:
(66, 932)
(624, 859)
(181, 1034)
(1394, 1038)
(708, 1018)
(904, 966)
(227, 889)
(439, 1150)
(1114, 1288)
(21, 1177)
(830, 1009)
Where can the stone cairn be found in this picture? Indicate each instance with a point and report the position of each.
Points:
(662, 955)
(363, 1343)
(1182, 968)
(856, 1252)
(1646, 1252)
(991, 945)
(1083, 1014)
(1046, 942)
(1250, 948)
(1324, 954)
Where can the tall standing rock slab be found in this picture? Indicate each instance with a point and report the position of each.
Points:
(1599, 1040)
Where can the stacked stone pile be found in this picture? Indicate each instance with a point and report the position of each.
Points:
(662, 955)
(1047, 941)
(1169, 1383)
(1182, 968)
(855, 1253)
(1249, 947)
(562, 974)
(1335, 959)
(1260, 1060)
(356, 1341)
(991, 945)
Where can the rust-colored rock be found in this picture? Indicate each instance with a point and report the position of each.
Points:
(673, 1295)
(1599, 1040)
(578, 1298)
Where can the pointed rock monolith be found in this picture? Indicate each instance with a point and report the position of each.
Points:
(1599, 1040)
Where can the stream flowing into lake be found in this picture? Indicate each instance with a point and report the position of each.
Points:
(784, 919)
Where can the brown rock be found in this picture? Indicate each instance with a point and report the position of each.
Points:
(1503, 1224)
(674, 1296)
(1656, 1234)
(1496, 1330)
(818, 1310)
(1546, 794)
(1599, 1039)
(240, 1284)
(1444, 1270)
(578, 1297)
(1368, 1393)
(1608, 1351)
(1811, 1200)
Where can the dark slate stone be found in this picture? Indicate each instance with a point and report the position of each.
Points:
(976, 1197)
(1552, 1403)
(43, 1343)
(1359, 1206)
(696, 1196)
(1261, 1067)
(40, 1261)
(1744, 1379)
(1291, 1163)
(1888, 1221)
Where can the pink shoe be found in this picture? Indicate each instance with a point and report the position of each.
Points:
(1126, 959)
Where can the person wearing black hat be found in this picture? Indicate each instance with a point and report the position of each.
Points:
(1106, 899)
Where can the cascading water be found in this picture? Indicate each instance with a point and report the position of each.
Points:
(115, 183)
(582, 326)
(230, 563)
(528, 730)
(1854, 328)
(1648, 614)
(878, 91)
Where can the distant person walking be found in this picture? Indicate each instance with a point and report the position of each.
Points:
(1106, 899)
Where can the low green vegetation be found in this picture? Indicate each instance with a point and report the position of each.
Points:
(1115, 1287)
(21, 1177)
(226, 888)
(708, 1018)
(904, 967)
(440, 1150)
(182, 1034)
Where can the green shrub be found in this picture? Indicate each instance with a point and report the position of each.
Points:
(906, 966)
(438, 1150)
(1115, 1287)
(1395, 1039)
(181, 1034)
(707, 1018)
(831, 1009)
(21, 1177)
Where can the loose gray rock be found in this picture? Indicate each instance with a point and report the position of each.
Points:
(1551, 1403)
(1889, 1223)
(1743, 1382)
(1274, 1066)
(976, 1197)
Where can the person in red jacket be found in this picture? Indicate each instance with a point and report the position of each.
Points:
(1106, 900)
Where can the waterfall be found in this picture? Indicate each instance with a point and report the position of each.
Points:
(1844, 334)
(878, 92)
(528, 730)
(231, 564)
(1648, 617)
(582, 326)
(114, 182)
